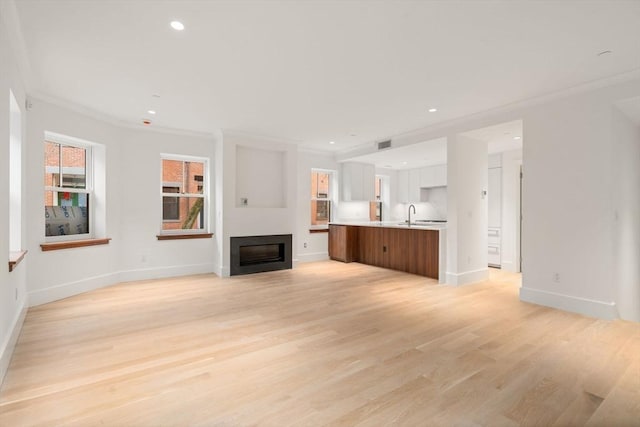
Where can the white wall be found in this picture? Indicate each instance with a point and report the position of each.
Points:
(260, 177)
(626, 204)
(133, 204)
(567, 204)
(467, 170)
(139, 202)
(13, 286)
(317, 243)
(248, 220)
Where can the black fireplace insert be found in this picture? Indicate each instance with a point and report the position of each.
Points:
(256, 254)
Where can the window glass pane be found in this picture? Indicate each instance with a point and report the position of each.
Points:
(320, 185)
(74, 171)
(66, 213)
(375, 211)
(173, 171)
(320, 212)
(194, 173)
(170, 208)
(190, 213)
(51, 164)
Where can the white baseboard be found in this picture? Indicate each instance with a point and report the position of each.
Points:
(467, 277)
(65, 290)
(9, 344)
(225, 271)
(509, 266)
(162, 272)
(592, 308)
(315, 256)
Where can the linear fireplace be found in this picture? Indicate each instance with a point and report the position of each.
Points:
(255, 254)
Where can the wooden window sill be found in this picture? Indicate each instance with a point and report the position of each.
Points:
(14, 259)
(184, 236)
(73, 244)
(319, 230)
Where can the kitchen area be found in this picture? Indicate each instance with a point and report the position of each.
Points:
(408, 195)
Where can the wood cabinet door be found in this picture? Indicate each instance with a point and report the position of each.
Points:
(423, 253)
(343, 243)
(338, 242)
(397, 244)
(371, 246)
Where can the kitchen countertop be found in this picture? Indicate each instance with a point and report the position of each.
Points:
(393, 224)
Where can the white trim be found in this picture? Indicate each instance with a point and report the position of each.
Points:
(9, 344)
(402, 139)
(65, 290)
(205, 195)
(588, 307)
(87, 146)
(312, 257)
(115, 121)
(467, 277)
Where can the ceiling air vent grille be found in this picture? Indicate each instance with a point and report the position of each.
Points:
(384, 144)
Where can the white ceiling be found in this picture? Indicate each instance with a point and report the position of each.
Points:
(318, 71)
(412, 156)
(499, 138)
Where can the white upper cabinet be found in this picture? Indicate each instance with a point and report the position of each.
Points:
(358, 182)
(411, 181)
(403, 186)
(414, 185)
(433, 176)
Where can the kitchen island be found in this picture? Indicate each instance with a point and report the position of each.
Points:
(416, 249)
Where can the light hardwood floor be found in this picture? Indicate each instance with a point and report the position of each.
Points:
(325, 344)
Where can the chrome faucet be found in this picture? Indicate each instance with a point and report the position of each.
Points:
(409, 216)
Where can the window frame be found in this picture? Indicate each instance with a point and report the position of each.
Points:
(329, 198)
(69, 141)
(205, 195)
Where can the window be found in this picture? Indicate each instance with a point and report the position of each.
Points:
(320, 198)
(375, 207)
(68, 188)
(184, 194)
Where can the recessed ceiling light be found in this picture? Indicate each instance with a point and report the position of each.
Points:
(177, 25)
(352, 134)
(156, 95)
(433, 110)
(517, 137)
(332, 142)
(404, 163)
(151, 112)
(387, 166)
(604, 52)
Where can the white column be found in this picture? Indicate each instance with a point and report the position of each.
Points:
(467, 163)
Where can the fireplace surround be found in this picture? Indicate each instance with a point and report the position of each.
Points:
(256, 254)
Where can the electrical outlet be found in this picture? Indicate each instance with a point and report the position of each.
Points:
(305, 245)
(244, 201)
(143, 258)
(556, 277)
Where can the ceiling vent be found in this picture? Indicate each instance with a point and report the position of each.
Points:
(384, 144)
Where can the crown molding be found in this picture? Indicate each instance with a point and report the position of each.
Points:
(114, 121)
(256, 136)
(514, 107)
